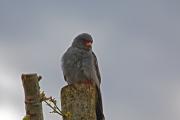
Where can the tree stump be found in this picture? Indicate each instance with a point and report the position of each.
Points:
(78, 101)
(33, 102)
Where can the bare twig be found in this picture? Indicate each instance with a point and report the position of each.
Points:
(51, 102)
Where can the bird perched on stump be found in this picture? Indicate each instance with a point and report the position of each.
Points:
(79, 63)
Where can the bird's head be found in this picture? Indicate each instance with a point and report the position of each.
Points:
(83, 41)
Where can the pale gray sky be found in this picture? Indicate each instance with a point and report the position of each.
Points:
(137, 43)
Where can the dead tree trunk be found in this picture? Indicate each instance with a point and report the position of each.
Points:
(33, 102)
(78, 101)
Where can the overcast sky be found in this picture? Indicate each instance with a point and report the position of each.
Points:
(137, 43)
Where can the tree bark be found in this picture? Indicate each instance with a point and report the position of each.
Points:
(78, 101)
(33, 104)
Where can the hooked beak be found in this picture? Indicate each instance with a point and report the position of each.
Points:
(89, 44)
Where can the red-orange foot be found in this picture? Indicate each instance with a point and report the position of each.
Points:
(87, 82)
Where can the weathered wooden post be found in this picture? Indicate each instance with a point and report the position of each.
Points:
(33, 102)
(78, 101)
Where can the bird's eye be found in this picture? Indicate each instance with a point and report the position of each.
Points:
(87, 41)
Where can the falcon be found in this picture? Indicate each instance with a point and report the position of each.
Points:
(79, 63)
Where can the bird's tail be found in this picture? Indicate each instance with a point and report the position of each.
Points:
(99, 106)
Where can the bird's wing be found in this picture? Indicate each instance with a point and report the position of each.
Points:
(96, 67)
(65, 78)
(99, 106)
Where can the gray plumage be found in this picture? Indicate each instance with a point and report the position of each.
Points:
(80, 63)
